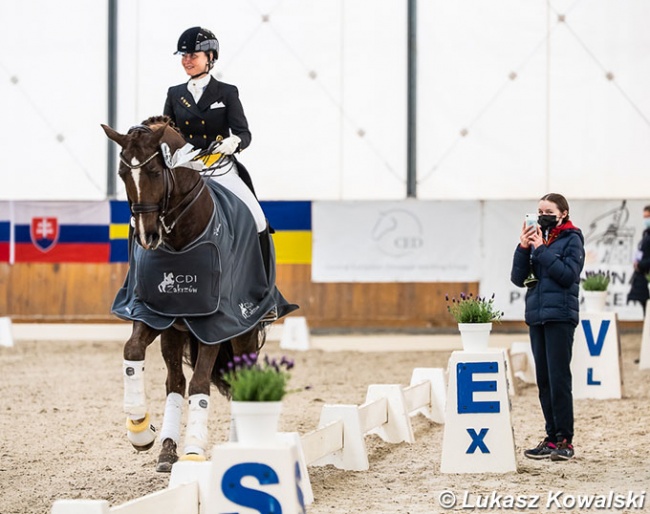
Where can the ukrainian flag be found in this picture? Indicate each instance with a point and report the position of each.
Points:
(119, 231)
(291, 221)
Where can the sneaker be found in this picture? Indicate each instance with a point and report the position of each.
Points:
(564, 451)
(542, 451)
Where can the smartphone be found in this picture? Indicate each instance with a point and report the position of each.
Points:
(531, 220)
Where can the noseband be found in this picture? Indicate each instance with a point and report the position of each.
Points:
(169, 183)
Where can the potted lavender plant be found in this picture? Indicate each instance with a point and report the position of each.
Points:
(474, 315)
(257, 389)
(594, 290)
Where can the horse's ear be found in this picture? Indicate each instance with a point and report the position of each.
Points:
(158, 134)
(113, 135)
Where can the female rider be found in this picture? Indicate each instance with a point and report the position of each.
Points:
(209, 112)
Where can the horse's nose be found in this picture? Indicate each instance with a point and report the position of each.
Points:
(150, 240)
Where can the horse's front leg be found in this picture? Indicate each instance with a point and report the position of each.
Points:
(196, 436)
(140, 431)
(172, 345)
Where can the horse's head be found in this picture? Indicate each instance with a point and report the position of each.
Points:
(148, 181)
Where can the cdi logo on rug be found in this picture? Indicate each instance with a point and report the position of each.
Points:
(44, 233)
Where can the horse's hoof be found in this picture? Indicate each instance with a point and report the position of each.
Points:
(193, 457)
(141, 435)
(167, 457)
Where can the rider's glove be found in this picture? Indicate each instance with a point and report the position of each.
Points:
(228, 146)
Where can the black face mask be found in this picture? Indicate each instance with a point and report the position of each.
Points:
(547, 221)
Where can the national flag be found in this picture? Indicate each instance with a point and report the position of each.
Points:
(61, 231)
(119, 231)
(5, 231)
(291, 221)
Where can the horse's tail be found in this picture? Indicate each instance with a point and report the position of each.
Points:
(250, 342)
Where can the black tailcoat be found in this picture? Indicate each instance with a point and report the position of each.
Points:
(218, 113)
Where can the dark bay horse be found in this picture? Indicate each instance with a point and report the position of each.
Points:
(173, 207)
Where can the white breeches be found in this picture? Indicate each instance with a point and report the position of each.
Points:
(233, 183)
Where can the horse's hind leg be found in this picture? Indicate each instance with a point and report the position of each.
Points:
(172, 344)
(140, 431)
(196, 437)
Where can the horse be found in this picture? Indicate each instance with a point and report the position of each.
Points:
(173, 211)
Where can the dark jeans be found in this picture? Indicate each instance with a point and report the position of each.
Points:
(552, 345)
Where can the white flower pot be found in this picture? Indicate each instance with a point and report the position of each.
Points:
(594, 301)
(256, 422)
(475, 336)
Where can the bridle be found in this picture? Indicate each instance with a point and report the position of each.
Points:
(169, 183)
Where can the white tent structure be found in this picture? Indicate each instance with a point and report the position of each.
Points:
(514, 99)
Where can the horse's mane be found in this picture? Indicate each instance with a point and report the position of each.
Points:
(155, 122)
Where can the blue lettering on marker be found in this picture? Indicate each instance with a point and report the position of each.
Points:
(234, 491)
(595, 347)
(477, 440)
(467, 386)
(590, 378)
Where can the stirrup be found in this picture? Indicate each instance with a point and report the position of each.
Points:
(270, 316)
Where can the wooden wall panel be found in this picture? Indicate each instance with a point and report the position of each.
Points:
(84, 292)
(369, 305)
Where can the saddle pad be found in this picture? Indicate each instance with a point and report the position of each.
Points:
(184, 283)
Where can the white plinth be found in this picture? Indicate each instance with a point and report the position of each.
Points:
(478, 434)
(256, 479)
(596, 364)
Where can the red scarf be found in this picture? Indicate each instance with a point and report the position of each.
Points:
(555, 232)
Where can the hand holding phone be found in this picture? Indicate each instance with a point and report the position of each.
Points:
(531, 220)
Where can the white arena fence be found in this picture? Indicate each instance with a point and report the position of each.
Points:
(339, 440)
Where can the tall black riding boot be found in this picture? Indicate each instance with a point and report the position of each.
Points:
(265, 247)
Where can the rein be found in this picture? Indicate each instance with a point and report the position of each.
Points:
(169, 182)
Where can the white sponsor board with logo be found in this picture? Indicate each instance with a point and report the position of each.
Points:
(406, 241)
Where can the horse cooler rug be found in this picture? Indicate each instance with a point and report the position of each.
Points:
(217, 284)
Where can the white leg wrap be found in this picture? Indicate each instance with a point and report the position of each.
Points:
(196, 437)
(171, 427)
(135, 399)
(232, 437)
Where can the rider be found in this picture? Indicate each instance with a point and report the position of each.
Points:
(209, 112)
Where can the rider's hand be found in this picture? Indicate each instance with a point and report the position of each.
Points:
(228, 146)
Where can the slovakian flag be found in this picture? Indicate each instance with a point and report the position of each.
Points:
(5, 231)
(61, 231)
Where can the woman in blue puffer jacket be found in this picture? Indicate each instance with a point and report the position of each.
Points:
(548, 261)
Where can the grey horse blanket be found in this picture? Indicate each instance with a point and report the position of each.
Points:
(217, 285)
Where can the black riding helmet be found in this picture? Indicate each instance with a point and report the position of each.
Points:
(198, 39)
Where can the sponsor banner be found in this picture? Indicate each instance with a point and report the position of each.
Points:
(404, 241)
(612, 231)
(61, 231)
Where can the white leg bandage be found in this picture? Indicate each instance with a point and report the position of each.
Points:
(135, 399)
(196, 438)
(171, 427)
(232, 436)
